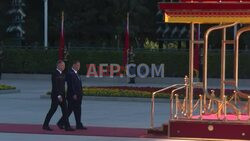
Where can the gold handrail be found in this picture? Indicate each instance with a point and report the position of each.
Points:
(153, 102)
(242, 94)
(236, 53)
(205, 51)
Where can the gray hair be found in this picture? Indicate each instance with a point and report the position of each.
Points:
(59, 62)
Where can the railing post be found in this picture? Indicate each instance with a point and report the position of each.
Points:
(171, 106)
(152, 111)
(205, 103)
(223, 64)
(248, 108)
(220, 104)
(212, 103)
(183, 107)
(191, 70)
(186, 98)
(200, 106)
(235, 97)
(225, 107)
(176, 106)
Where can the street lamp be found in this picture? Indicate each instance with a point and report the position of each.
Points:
(46, 24)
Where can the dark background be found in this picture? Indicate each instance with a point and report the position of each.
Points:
(87, 22)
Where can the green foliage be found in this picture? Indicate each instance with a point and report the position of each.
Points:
(43, 61)
(120, 93)
(151, 45)
(115, 92)
(29, 61)
(6, 87)
(176, 61)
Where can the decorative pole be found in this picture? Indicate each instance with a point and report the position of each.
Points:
(46, 24)
(191, 69)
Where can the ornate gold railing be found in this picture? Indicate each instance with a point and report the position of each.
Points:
(179, 107)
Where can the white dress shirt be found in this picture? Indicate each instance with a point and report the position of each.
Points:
(74, 70)
(59, 71)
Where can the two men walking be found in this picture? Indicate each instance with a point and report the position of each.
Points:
(70, 103)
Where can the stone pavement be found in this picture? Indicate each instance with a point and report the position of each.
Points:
(28, 137)
(26, 107)
(244, 84)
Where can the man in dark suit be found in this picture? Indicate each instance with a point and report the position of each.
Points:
(74, 94)
(58, 98)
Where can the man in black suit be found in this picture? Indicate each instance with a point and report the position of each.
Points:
(74, 94)
(58, 98)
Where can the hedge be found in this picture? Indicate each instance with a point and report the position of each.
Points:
(107, 92)
(176, 62)
(145, 92)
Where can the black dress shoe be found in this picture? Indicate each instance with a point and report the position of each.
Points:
(81, 127)
(47, 128)
(60, 126)
(69, 129)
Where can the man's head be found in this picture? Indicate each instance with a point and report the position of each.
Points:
(60, 65)
(76, 65)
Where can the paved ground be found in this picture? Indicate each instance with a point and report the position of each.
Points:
(244, 84)
(27, 137)
(27, 107)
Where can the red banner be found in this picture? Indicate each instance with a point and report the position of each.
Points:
(126, 44)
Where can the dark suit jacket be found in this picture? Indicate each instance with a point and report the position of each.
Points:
(58, 85)
(74, 85)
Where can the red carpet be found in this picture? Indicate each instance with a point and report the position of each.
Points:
(230, 117)
(91, 131)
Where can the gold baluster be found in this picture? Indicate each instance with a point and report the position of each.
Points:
(235, 97)
(225, 107)
(201, 106)
(176, 106)
(186, 98)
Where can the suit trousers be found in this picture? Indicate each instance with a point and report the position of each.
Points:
(75, 106)
(52, 110)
